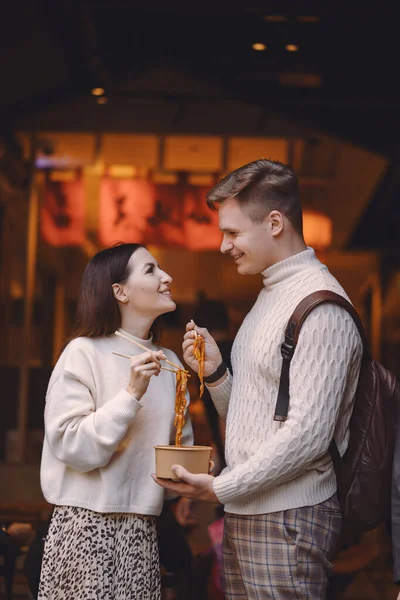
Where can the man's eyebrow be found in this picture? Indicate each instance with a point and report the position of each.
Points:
(229, 229)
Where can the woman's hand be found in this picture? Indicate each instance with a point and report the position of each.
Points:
(212, 354)
(143, 367)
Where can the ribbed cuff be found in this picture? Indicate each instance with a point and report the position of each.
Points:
(123, 407)
(225, 488)
(220, 395)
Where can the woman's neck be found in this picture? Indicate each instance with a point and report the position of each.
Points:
(137, 325)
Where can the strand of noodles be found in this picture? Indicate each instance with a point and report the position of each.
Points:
(180, 404)
(199, 354)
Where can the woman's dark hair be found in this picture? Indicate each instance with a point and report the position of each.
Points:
(260, 187)
(97, 312)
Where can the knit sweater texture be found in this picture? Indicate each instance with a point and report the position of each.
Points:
(274, 466)
(98, 450)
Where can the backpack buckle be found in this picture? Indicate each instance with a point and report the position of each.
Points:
(287, 350)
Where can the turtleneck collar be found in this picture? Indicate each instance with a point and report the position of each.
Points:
(290, 267)
(147, 343)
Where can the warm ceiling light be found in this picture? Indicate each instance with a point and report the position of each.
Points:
(291, 47)
(317, 229)
(102, 100)
(97, 91)
(259, 46)
(275, 18)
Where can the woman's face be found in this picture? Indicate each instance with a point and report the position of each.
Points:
(147, 287)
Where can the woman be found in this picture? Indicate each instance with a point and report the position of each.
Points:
(103, 416)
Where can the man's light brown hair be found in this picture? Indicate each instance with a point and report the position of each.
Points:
(260, 187)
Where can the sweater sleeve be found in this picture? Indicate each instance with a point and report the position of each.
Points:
(220, 395)
(324, 367)
(81, 436)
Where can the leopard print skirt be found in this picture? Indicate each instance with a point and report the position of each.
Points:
(98, 556)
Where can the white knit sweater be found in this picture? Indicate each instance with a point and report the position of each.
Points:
(275, 466)
(98, 450)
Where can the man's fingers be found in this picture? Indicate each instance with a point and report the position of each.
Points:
(190, 335)
(169, 484)
(186, 344)
(190, 326)
(182, 474)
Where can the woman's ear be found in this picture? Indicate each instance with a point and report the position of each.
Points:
(119, 293)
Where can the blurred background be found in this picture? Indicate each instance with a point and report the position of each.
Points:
(114, 122)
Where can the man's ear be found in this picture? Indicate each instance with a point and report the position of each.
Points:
(119, 293)
(275, 222)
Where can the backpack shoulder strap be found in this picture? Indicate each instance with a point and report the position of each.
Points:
(292, 332)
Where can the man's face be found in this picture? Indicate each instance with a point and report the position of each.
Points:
(247, 242)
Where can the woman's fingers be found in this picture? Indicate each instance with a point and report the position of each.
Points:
(148, 367)
(140, 359)
(143, 367)
(145, 357)
(145, 362)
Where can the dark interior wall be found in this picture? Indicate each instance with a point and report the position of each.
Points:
(9, 378)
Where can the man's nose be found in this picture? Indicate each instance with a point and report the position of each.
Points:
(225, 246)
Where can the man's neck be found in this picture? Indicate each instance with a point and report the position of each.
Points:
(289, 247)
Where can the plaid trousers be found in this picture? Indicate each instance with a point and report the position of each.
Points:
(283, 555)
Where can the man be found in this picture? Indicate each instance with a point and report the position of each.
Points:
(282, 518)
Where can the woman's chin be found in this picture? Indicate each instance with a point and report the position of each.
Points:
(170, 306)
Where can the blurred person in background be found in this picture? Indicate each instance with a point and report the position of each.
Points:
(395, 512)
(103, 416)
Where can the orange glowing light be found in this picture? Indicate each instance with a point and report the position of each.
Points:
(259, 47)
(97, 91)
(317, 229)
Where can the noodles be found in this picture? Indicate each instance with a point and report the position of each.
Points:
(198, 351)
(181, 387)
(180, 404)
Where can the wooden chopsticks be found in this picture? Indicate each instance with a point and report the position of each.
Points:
(179, 368)
(127, 356)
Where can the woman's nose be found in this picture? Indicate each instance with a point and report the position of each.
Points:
(165, 278)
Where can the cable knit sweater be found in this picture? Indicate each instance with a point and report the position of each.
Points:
(273, 466)
(98, 450)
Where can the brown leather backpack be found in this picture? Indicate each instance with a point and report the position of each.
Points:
(364, 472)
